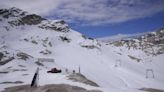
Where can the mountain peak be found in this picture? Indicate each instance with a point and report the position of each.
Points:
(17, 17)
(12, 12)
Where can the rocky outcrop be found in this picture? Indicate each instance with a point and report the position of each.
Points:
(32, 19)
(59, 25)
(48, 88)
(77, 77)
(151, 43)
(1, 55)
(151, 90)
(12, 12)
(23, 56)
(6, 61)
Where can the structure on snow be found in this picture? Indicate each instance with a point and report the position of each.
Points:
(35, 79)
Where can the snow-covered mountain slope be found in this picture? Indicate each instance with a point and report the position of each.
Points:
(151, 43)
(28, 41)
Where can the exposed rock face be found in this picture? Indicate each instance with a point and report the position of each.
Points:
(6, 61)
(32, 19)
(59, 25)
(1, 55)
(151, 43)
(65, 39)
(23, 56)
(5, 57)
(81, 78)
(154, 37)
(12, 12)
(19, 17)
(49, 88)
(151, 90)
(134, 58)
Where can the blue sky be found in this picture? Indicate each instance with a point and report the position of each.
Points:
(98, 18)
(148, 24)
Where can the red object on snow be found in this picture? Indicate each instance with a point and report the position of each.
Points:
(54, 70)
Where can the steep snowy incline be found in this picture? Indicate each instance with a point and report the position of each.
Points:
(27, 38)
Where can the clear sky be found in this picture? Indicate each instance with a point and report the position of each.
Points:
(98, 18)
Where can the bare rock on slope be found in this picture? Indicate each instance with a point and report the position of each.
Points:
(77, 77)
(32, 19)
(48, 88)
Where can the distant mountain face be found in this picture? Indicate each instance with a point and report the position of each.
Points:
(21, 32)
(120, 37)
(151, 43)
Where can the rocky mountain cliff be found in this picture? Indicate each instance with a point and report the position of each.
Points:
(17, 17)
(151, 43)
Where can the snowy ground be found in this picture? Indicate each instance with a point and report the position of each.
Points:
(113, 72)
